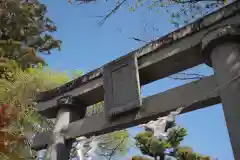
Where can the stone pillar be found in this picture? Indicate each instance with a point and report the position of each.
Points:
(69, 111)
(225, 59)
(60, 148)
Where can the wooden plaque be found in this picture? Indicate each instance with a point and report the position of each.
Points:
(121, 86)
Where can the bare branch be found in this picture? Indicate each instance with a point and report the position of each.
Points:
(139, 40)
(112, 12)
(195, 76)
(187, 78)
(114, 150)
(82, 1)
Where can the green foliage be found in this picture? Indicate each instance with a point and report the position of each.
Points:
(95, 109)
(115, 143)
(180, 11)
(186, 153)
(29, 82)
(77, 73)
(176, 136)
(25, 30)
(20, 94)
(151, 146)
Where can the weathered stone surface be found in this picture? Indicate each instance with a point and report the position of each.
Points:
(226, 63)
(153, 107)
(121, 86)
(218, 36)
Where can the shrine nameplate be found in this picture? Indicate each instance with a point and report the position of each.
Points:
(121, 86)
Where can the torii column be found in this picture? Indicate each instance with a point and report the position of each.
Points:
(70, 109)
(223, 50)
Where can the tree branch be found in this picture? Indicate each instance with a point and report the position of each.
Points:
(195, 76)
(114, 150)
(196, 1)
(112, 12)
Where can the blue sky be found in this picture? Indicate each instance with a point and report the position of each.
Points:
(87, 46)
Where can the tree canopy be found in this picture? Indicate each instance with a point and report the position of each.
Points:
(169, 146)
(25, 31)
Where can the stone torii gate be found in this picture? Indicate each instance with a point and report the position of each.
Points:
(213, 39)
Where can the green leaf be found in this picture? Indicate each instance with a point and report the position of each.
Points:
(225, 2)
(132, 9)
(77, 73)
